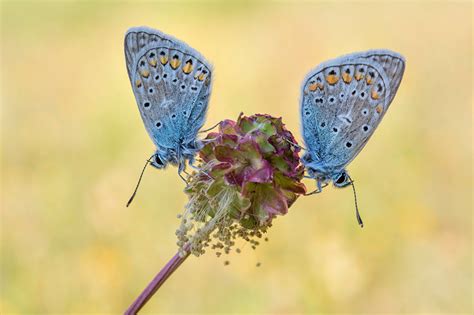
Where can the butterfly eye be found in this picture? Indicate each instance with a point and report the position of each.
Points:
(341, 179)
(158, 160)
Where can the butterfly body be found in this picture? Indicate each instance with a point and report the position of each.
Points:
(343, 101)
(172, 83)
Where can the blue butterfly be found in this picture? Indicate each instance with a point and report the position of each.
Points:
(172, 84)
(343, 101)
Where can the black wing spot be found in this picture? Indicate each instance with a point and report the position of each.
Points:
(173, 116)
(150, 90)
(307, 113)
(332, 72)
(379, 88)
(146, 104)
(165, 76)
(162, 53)
(323, 124)
(175, 80)
(152, 55)
(157, 77)
(193, 88)
(362, 94)
(335, 129)
(142, 63)
(183, 87)
(365, 128)
(354, 92)
(348, 71)
(185, 113)
(348, 144)
(158, 124)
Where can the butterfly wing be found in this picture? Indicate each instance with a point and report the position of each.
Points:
(344, 100)
(171, 82)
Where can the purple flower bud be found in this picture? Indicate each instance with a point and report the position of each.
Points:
(250, 172)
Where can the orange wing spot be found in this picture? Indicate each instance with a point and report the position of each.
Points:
(201, 76)
(174, 63)
(152, 62)
(346, 77)
(312, 87)
(163, 60)
(359, 76)
(138, 83)
(369, 79)
(379, 108)
(332, 79)
(375, 95)
(145, 73)
(188, 67)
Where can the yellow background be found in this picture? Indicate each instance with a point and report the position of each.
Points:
(73, 145)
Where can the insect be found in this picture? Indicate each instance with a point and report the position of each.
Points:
(172, 83)
(343, 101)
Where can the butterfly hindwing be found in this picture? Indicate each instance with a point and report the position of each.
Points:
(344, 100)
(171, 82)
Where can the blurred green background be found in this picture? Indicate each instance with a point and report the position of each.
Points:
(73, 145)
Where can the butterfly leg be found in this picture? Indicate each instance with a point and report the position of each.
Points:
(319, 188)
(295, 145)
(209, 129)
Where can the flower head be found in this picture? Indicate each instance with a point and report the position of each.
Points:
(249, 173)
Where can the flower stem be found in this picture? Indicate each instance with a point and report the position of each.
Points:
(157, 282)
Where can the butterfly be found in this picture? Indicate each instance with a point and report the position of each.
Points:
(343, 101)
(172, 83)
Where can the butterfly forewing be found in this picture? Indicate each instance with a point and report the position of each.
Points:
(171, 82)
(344, 100)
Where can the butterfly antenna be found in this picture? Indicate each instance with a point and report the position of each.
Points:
(359, 219)
(139, 181)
